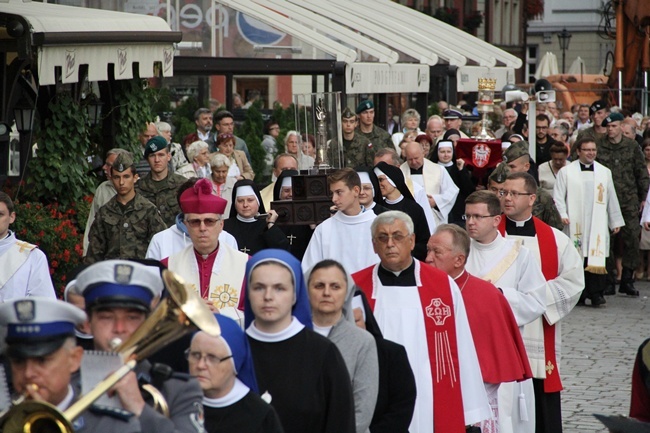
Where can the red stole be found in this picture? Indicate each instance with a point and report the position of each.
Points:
(550, 268)
(437, 305)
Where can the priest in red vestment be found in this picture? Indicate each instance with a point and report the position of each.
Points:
(415, 303)
(499, 346)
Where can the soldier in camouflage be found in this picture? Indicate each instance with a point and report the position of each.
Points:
(377, 136)
(595, 130)
(160, 185)
(357, 150)
(517, 159)
(630, 175)
(124, 226)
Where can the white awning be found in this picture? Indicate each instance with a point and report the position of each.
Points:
(68, 37)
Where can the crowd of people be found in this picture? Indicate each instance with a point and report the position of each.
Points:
(430, 299)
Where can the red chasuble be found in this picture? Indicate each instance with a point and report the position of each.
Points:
(440, 325)
(499, 346)
(550, 268)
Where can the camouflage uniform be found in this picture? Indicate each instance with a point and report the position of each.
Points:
(378, 137)
(544, 208)
(163, 194)
(357, 152)
(123, 231)
(630, 177)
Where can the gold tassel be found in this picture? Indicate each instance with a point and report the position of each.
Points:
(601, 270)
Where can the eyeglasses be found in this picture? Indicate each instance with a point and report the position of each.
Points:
(468, 217)
(196, 357)
(514, 194)
(397, 238)
(196, 222)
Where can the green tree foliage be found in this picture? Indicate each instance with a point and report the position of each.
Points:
(133, 109)
(59, 172)
(251, 133)
(183, 119)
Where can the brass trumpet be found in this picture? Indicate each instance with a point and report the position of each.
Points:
(180, 313)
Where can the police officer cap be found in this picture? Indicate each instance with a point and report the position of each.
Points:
(452, 113)
(38, 326)
(598, 105)
(154, 145)
(119, 283)
(516, 151)
(347, 113)
(613, 117)
(123, 161)
(365, 105)
(500, 173)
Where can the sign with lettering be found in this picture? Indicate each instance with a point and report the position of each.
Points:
(385, 78)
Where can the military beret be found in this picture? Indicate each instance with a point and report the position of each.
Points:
(38, 326)
(452, 113)
(613, 117)
(123, 161)
(365, 105)
(598, 105)
(516, 151)
(500, 173)
(154, 145)
(119, 283)
(347, 113)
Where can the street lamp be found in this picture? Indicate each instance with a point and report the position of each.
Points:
(94, 109)
(24, 115)
(564, 37)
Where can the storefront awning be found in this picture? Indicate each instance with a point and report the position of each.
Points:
(63, 38)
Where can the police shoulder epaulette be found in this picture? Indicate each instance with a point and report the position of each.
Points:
(113, 412)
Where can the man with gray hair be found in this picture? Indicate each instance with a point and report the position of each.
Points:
(203, 121)
(509, 119)
(104, 192)
(429, 308)
(435, 128)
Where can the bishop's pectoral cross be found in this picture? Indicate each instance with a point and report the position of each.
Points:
(291, 238)
(244, 250)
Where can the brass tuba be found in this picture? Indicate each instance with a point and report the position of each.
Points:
(181, 312)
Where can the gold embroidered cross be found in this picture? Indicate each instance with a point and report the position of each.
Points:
(549, 368)
(23, 246)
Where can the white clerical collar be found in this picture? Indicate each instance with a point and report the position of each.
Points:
(520, 223)
(397, 200)
(246, 220)
(238, 391)
(322, 330)
(9, 234)
(446, 164)
(288, 332)
(372, 206)
(66, 401)
(490, 245)
(460, 275)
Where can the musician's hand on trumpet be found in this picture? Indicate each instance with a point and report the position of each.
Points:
(128, 391)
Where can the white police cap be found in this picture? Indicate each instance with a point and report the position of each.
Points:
(38, 326)
(119, 283)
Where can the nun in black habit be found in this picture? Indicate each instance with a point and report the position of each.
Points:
(297, 235)
(253, 234)
(397, 196)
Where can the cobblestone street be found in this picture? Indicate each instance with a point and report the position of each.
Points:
(598, 351)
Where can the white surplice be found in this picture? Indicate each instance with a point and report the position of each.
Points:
(524, 286)
(25, 271)
(398, 311)
(346, 239)
(439, 185)
(562, 294)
